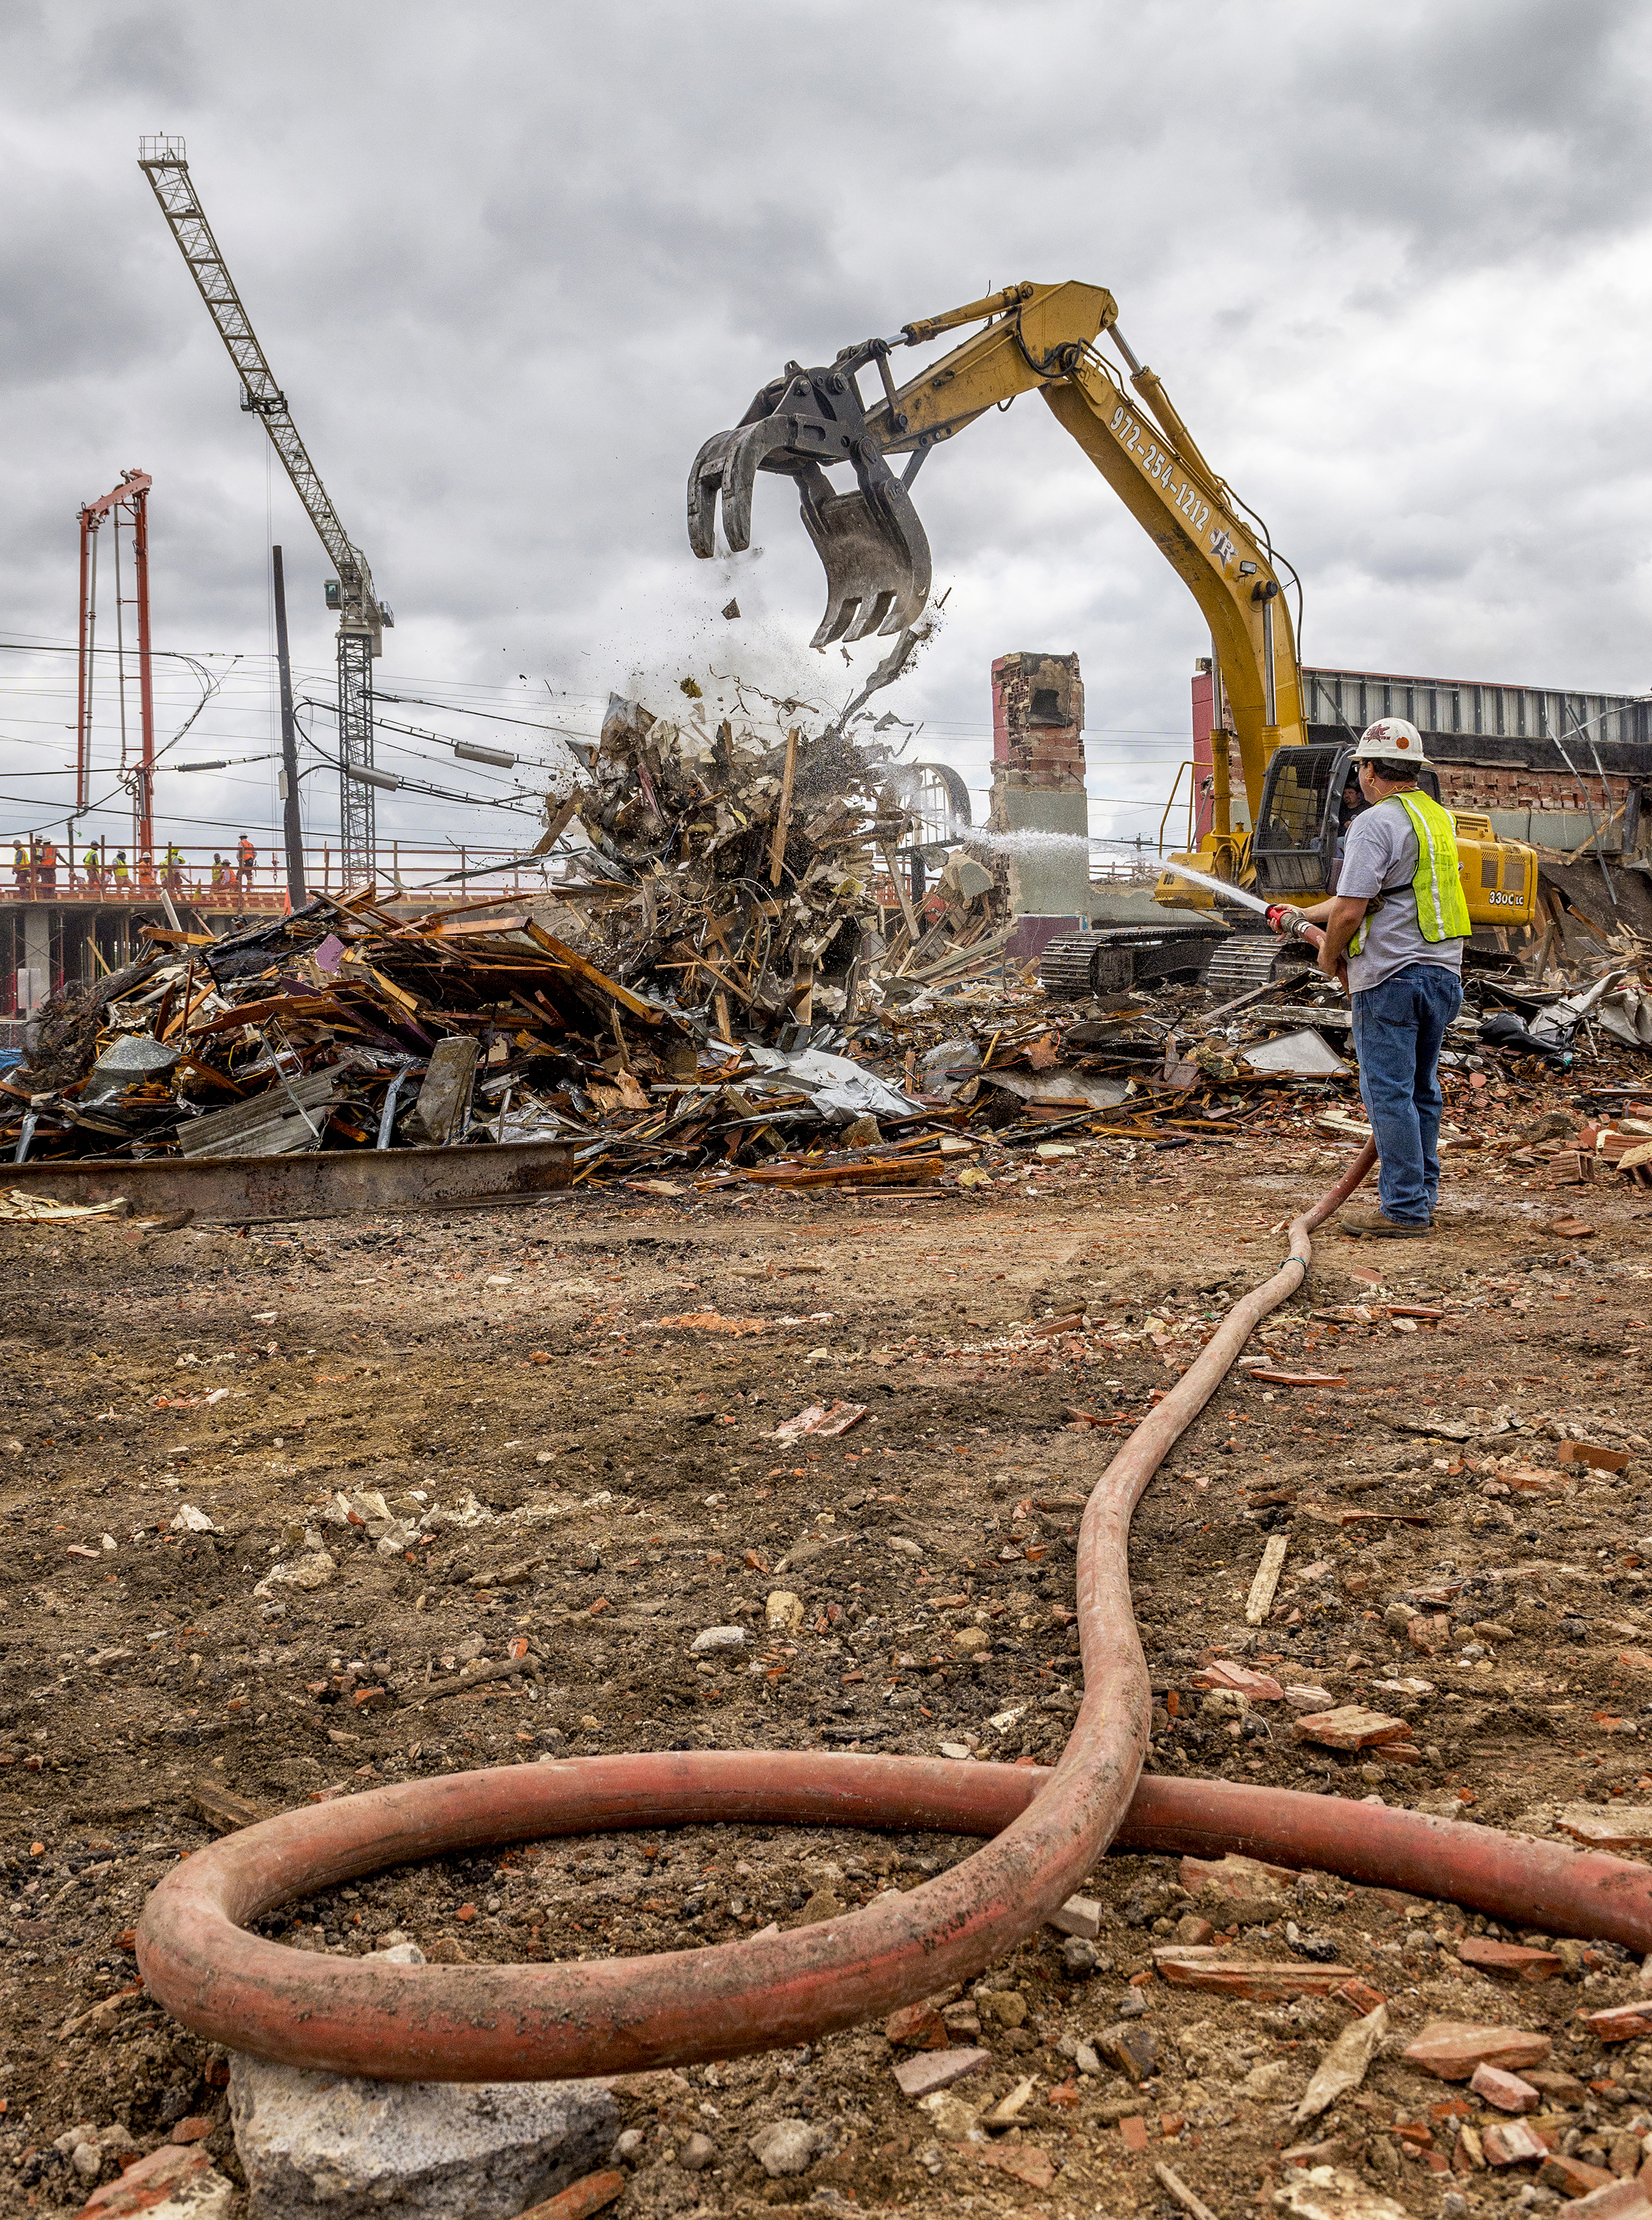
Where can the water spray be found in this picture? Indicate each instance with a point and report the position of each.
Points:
(1288, 923)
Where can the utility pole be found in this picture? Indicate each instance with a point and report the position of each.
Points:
(292, 822)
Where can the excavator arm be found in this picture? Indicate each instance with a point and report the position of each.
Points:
(1035, 338)
(1043, 339)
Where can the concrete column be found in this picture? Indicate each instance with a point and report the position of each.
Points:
(37, 944)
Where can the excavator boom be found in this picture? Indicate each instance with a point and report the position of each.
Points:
(1044, 338)
(1036, 339)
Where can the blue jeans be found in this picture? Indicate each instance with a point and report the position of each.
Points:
(1398, 1030)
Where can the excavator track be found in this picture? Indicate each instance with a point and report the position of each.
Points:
(1251, 959)
(1120, 957)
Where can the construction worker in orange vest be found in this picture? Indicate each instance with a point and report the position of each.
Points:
(246, 855)
(48, 869)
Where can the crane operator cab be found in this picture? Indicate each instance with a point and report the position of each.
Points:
(1310, 796)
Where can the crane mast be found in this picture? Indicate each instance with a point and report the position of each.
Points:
(362, 615)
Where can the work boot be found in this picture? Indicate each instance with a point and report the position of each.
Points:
(1361, 1225)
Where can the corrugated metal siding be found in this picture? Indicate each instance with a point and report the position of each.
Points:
(1453, 705)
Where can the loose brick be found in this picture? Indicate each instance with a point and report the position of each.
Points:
(1452, 2049)
(1507, 2090)
(1508, 2142)
(1517, 1958)
(938, 2069)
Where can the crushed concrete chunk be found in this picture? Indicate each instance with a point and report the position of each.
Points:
(1614, 1826)
(1324, 2193)
(448, 2150)
(784, 2147)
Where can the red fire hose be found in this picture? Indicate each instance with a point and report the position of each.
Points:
(614, 2015)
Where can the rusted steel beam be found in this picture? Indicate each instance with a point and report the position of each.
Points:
(246, 1189)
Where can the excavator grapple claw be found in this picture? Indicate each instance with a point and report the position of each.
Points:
(869, 537)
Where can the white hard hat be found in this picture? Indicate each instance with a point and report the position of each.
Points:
(1392, 741)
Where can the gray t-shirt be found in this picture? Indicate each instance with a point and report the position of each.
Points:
(1380, 856)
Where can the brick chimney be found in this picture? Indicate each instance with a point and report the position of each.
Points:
(1038, 780)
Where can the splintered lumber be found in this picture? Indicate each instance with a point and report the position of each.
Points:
(589, 973)
(784, 812)
(222, 1809)
(1344, 2065)
(904, 899)
(1260, 1601)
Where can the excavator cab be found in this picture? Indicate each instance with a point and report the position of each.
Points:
(875, 553)
(1310, 795)
(1293, 843)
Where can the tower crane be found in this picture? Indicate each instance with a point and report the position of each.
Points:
(362, 616)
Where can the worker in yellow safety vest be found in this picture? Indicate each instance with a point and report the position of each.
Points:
(1399, 919)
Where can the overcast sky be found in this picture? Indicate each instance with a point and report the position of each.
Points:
(513, 263)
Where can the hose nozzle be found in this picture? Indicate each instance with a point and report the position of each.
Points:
(1290, 924)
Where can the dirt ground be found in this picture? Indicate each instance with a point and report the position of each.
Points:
(592, 1384)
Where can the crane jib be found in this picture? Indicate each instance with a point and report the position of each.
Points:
(362, 615)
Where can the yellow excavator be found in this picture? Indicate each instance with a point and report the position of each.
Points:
(1043, 339)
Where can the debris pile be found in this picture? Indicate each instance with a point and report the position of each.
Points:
(340, 1027)
(757, 985)
(768, 888)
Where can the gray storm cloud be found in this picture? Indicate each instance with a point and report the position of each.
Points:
(514, 264)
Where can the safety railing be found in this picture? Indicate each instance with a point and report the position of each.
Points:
(217, 878)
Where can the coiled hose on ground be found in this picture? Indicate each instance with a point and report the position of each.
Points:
(1048, 1829)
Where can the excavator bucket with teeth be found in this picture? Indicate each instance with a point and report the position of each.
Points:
(874, 548)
